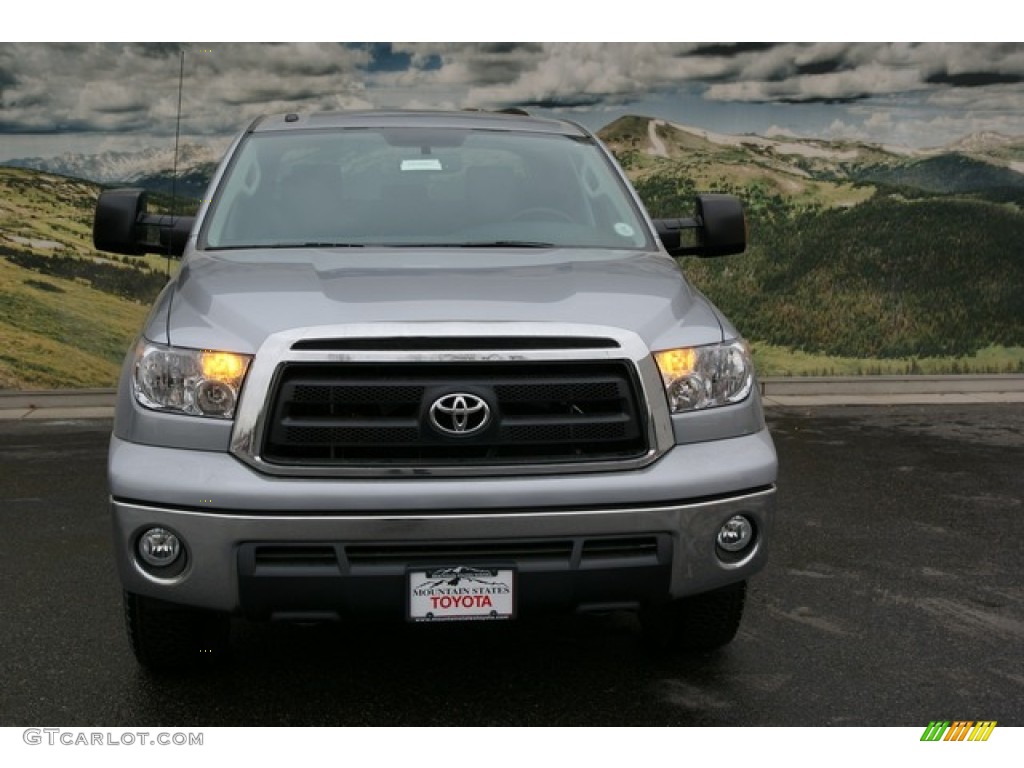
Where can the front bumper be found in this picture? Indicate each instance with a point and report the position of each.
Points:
(222, 508)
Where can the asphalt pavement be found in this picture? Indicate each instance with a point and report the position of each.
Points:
(893, 596)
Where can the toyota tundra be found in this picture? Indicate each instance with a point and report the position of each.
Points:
(431, 367)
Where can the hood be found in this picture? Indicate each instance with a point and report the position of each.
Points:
(234, 300)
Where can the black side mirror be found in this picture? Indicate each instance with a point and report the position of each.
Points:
(719, 226)
(121, 225)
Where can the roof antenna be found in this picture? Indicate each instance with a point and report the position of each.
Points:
(177, 135)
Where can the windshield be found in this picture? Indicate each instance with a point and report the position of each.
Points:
(418, 187)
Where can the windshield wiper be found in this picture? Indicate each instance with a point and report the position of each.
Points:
(502, 244)
(474, 244)
(331, 244)
(315, 244)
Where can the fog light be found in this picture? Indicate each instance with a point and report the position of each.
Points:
(736, 534)
(159, 547)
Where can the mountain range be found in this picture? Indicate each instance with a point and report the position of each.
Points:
(856, 250)
(862, 258)
(122, 167)
(978, 161)
(796, 167)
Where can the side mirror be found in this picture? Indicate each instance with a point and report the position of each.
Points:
(719, 226)
(121, 225)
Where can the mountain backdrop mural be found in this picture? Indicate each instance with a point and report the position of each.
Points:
(866, 255)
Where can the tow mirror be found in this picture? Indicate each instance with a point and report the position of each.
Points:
(121, 225)
(719, 227)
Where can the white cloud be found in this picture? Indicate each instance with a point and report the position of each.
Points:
(945, 89)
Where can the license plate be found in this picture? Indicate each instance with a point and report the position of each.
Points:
(461, 593)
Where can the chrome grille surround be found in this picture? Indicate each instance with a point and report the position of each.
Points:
(478, 342)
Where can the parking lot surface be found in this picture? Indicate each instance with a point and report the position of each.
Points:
(894, 596)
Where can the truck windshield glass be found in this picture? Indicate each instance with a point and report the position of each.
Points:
(432, 188)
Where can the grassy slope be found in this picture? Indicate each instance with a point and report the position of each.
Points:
(73, 338)
(57, 332)
(63, 332)
(892, 277)
(754, 170)
(888, 279)
(773, 360)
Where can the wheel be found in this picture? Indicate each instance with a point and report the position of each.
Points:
(167, 637)
(544, 214)
(701, 622)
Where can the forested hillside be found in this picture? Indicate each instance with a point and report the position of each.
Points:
(854, 253)
(860, 260)
(887, 278)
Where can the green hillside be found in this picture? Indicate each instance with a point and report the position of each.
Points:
(889, 278)
(754, 168)
(861, 260)
(953, 173)
(67, 312)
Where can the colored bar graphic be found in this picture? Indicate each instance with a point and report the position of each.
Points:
(982, 730)
(958, 730)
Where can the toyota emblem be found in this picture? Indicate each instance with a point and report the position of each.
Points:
(460, 414)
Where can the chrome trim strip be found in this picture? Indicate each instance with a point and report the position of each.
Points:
(261, 380)
(741, 498)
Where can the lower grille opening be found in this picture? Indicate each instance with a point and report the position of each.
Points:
(295, 556)
(630, 547)
(448, 553)
(327, 580)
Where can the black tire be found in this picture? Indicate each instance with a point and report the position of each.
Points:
(167, 637)
(701, 622)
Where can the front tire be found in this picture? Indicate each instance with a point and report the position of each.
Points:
(167, 637)
(701, 622)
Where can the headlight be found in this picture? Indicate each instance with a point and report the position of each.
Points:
(706, 377)
(199, 382)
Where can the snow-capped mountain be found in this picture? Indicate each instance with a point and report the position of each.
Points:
(985, 141)
(122, 167)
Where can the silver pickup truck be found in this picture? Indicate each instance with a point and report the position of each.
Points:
(431, 366)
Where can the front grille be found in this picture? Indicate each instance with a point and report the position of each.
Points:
(379, 414)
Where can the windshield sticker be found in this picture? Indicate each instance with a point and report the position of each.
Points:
(422, 164)
(623, 229)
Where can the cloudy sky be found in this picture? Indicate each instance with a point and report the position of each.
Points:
(90, 97)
